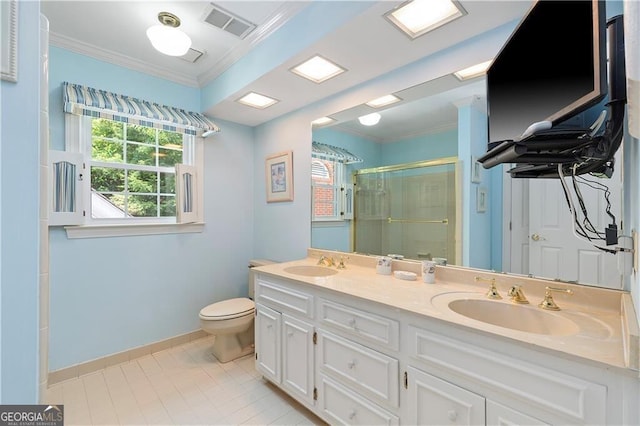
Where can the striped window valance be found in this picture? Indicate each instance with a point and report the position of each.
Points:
(330, 152)
(87, 101)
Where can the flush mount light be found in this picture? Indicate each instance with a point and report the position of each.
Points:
(369, 119)
(473, 71)
(257, 100)
(383, 101)
(418, 17)
(322, 121)
(317, 69)
(167, 38)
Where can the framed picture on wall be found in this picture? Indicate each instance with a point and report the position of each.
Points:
(279, 177)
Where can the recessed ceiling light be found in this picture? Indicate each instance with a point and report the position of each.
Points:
(322, 121)
(473, 71)
(257, 100)
(318, 69)
(369, 119)
(418, 17)
(383, 101)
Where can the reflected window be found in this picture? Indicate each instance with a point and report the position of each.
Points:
(327, 183)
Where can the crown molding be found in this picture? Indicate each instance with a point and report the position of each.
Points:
(111, 57)
(280, 17)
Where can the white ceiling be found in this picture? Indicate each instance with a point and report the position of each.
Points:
(368, 46)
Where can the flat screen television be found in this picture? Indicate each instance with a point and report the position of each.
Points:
(553, 67)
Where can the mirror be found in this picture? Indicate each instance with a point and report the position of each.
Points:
(424, 126)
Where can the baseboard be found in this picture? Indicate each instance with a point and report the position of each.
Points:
(78, 370)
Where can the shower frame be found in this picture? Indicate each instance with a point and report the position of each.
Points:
(415, 165)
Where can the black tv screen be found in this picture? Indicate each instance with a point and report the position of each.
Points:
(551, 68)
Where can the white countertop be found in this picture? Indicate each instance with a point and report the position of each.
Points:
(605, 333)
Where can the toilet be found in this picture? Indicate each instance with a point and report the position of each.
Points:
(231, 322)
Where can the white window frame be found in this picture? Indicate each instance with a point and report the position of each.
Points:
(343, 191)
(78, 139)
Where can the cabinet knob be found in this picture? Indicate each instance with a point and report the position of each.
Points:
(352, 322)
(453, 415)
(351, 364)
(290, 334)
(352, 415)
(269, 326)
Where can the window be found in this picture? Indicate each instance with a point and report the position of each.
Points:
(115, 173)
(332, 197)
(132, 170)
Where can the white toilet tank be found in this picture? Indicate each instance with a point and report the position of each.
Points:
(252, 264)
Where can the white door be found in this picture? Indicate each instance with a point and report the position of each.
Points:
(297, 358)
(539, 233)
(267, 338)
(433, 401)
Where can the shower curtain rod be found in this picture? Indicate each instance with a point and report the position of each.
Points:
(443, 221)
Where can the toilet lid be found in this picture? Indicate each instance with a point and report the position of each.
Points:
(228, 309)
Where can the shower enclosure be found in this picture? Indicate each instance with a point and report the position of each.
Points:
(410, 209)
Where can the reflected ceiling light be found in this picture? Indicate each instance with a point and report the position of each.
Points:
(317, 69)
(369, 119)
(322, 121)
(167, 38)
(473, 71)
(383, 101)
(418, 17)
(257, 100)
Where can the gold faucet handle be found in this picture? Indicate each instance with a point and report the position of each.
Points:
(322, 259)
(548, 302)
(342, 264)
(517, 295)
(493, 291)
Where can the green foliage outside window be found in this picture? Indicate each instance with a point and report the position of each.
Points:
(117, 148)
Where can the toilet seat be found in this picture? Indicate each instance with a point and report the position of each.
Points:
(228, 309)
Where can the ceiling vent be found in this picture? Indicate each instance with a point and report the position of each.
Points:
(220, 18)
(192, 55)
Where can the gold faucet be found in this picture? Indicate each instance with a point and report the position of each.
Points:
(342, 264)
(493, 291)
(517, 295)
(326, 261)
(547, 302)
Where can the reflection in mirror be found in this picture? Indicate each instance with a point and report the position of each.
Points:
(531, 230)
(408, 210)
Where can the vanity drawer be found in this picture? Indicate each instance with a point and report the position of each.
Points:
(283, 298)
(569, 399)
(368, 327)
(339, 405)
(371, 373)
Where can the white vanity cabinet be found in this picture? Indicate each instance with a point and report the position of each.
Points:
(285, 338)
(354, 361)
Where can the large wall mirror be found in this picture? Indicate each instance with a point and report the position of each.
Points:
(531, 227)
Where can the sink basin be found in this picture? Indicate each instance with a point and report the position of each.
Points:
(530, 319)
(310, 271)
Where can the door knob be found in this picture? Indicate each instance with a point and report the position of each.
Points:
(536, 237)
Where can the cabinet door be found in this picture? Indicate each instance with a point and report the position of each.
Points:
(297, 358)
(267, 340)
(498, 414)
(433, 401)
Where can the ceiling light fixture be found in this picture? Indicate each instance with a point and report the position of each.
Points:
(167, 38)
(383, 101)
(418, 17)
(257, 100)
(369, 119)
(322, 121)
(317, 69)
(473, 71)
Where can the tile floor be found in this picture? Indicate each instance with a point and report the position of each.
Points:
(183, 385)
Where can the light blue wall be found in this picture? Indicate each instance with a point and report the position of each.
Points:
(112, 294)
(19, 217)
(419, 148)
